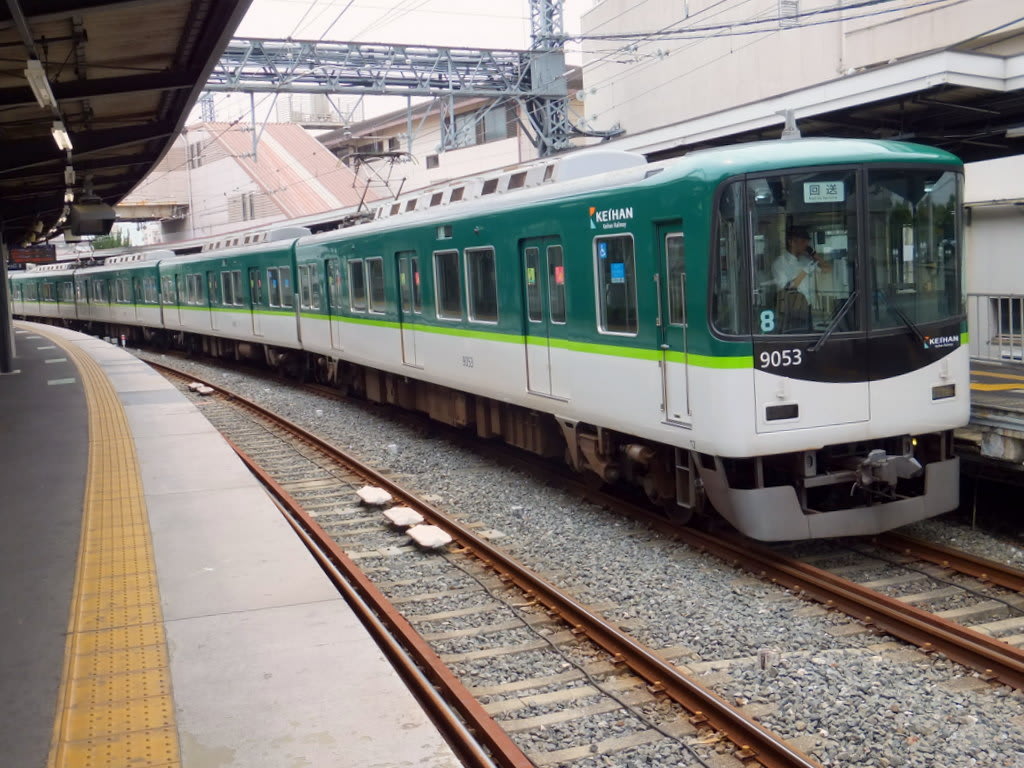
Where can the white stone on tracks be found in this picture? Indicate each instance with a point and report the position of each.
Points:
(373, 496)
(403, 517)
(429, 536)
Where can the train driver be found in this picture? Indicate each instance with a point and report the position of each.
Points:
(793, 269)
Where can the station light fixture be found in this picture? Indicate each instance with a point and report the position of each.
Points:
(35, 73)
(60, 135)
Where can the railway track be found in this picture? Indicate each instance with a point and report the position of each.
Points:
(593, 689)
(760, 687)
(993, 658)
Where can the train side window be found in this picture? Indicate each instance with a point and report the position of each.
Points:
(67, 291)
(556, 284)
(149, 292)
(279, 282)
(616, 280)
(167, 289)
(334, 286)
(409, 282)
(417, 288)
(305, 290)
(287, 289)
(236, 284)
(357, 285)
(121, 292)
(315, 288)
(375, 283)
(534, 306)
(675, 268)
(446, 285)
(227, 288)
(255, 287)
(195, 289)
(482, 283)
(274, 286)
(730, 308)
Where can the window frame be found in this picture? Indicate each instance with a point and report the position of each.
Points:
(335, 284)
(440, 309)
(376, 278)
(472, 278)
(284, 298)
(357, 284)
(600, 285)
(671, 292)
(534, 293)
(563, 302)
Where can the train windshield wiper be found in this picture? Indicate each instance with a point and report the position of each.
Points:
(903, 317)
(835, 321)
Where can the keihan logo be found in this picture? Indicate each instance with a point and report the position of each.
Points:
(610, 218)
(941, 342)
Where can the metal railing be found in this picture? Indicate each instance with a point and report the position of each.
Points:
(996, 326)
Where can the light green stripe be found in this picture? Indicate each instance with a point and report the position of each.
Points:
(588, 348)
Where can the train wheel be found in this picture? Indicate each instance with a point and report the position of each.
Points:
(676, 514)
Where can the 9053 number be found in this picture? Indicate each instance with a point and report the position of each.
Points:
(781, 358)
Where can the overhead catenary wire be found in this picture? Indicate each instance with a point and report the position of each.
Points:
(694, 23)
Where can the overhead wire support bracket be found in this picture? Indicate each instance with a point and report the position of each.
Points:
(310, 66)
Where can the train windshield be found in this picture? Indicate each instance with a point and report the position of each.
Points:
(913, 247)
(797, 254)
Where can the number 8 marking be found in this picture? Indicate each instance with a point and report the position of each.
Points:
(767, 321)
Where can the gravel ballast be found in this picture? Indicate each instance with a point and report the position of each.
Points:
(846, 696)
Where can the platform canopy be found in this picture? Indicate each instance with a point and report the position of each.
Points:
(92, 94)
(963, 101)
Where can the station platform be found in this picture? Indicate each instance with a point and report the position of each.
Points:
(157, 608)
(992, 445)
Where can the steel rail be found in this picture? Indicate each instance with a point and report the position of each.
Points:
(754, 742)
(980, 568)
(404, 646)
(993, 658)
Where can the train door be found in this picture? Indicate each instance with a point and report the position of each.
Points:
(335, 303)
(409, 305)
(543, 273)
(212, 283)
(672, 319)
(181, 296)
(256, 299)
(136, 297)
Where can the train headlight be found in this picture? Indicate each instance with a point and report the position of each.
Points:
(943, 391)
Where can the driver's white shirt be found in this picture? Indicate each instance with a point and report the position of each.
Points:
(786, 269)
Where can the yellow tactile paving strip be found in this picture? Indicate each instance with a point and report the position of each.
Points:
(115, 705)
(985, 387)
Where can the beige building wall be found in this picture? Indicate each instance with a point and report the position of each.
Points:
(426, 164)
(167, 184)
(659, 81)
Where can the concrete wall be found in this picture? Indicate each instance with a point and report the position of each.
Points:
(664, 80)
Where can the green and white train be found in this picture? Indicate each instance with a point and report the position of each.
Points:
(629, 321)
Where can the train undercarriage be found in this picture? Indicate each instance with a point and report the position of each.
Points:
(836, 490)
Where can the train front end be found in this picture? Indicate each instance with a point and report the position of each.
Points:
(847, 282)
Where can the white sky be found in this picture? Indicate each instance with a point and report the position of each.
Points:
(499, 24)
(455, 23)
